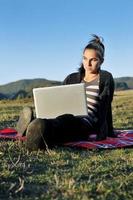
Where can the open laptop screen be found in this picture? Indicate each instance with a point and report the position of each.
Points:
(51, 102)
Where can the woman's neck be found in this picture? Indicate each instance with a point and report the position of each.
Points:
(90, 77)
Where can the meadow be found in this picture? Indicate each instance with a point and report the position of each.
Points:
(66, 173)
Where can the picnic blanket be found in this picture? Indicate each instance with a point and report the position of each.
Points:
(11, 134)
(124, 139)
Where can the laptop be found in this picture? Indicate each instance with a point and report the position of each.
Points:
(51, 102)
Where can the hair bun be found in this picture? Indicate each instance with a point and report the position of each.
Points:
(96, 44)
(96, 39)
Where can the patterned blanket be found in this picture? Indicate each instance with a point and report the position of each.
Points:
(124, 139)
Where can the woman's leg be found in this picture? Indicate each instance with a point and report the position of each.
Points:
(26, 116)
(65, 128)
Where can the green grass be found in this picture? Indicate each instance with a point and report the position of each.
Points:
(123, 109)
(65, 173)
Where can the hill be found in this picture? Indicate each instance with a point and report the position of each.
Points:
(23, 88)
(123, 83)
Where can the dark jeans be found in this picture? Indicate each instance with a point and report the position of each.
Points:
(65, 128)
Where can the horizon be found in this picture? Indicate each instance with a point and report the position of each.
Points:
(46, 39)
(52, 79)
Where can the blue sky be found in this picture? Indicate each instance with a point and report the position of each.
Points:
(45, 38)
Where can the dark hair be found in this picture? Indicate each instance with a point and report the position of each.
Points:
(95, 43)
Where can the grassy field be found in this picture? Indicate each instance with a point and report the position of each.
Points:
(65, 173)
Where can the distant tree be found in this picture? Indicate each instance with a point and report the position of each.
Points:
(121, 86)
(19, 95)
(3, 96)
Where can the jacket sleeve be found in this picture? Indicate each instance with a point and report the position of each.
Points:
(72, 79)
(105, 111)
(66, 80)
(112, 87)
(108, 90)
(109, 111)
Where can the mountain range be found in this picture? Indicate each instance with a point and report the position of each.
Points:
(23, 88)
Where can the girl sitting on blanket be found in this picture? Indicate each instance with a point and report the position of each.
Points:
(42, 133)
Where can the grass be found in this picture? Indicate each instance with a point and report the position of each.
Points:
(65, 173)
(123, 109)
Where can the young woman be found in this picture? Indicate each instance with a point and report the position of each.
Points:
(65, 128)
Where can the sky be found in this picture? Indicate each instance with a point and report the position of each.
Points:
(46, 38)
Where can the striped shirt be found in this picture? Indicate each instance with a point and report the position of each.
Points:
(92, 97)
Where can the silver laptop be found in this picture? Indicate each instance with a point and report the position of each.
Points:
(51, 102)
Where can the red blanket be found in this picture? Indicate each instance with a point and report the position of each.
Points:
(10, 133)
(124, 139)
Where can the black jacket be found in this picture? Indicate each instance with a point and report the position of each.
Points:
(106, 90)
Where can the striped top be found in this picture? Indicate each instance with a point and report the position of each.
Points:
(92, 96)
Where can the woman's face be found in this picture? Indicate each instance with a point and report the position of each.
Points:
(91, 61)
